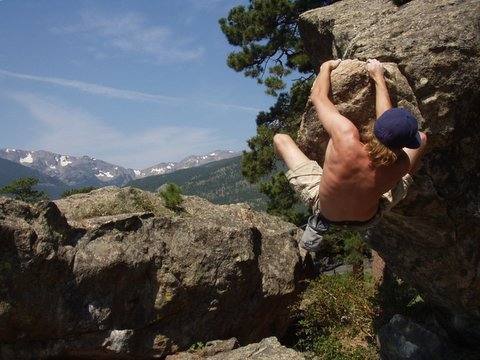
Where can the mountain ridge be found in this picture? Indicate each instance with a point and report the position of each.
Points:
(80, 171)
(220, 182)
(10, 171)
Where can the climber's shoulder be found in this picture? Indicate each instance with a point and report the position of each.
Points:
(347, 138)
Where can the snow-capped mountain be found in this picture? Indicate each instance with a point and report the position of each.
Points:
(188, 162)
(10, 171)
(72, 170)
(87, 171)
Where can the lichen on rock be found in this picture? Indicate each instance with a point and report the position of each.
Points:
(268, 348)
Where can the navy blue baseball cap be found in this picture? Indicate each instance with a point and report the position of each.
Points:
(397, 128)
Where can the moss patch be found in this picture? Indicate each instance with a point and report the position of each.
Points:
(112, 201)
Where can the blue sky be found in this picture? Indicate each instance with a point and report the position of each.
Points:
(129, 82)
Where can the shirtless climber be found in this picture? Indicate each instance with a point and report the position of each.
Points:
(365, 173)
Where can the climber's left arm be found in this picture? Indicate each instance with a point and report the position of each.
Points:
(338, 126)
(382, 98)
(415, 155)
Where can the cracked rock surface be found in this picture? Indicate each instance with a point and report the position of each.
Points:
(115, 274)
(432, 52)
(267, 349)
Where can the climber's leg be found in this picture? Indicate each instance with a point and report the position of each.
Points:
(288, 151)
(303, 174)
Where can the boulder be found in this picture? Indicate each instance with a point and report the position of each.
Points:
(432, 53)
(115, 274)
(403, 339)
(267, 349)
(211, 348)
(354, 95)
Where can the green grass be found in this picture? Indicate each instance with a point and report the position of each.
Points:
(340, 314)
(337, 318)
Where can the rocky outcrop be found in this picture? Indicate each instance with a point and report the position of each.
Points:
(267, 349)
(115, 274)
(432, 49)
(211, 348)
(403, 339)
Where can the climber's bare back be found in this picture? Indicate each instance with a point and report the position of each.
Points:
(350, 188)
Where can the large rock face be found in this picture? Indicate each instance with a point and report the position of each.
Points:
(432, 239)
(114, 273)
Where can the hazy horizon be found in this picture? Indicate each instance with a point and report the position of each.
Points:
(131, 83)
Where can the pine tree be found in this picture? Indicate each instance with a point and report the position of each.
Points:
(172, 195)
(22, 189)
(269, 50)
(82, 190)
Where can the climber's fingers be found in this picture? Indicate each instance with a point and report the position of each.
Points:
(373, 61)
(335, 63)
(330, 65)
(374, 67)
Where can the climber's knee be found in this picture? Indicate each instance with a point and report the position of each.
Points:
(281, 142)
(288, 151)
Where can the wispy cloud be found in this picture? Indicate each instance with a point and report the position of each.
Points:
(112, 92)
(220, 6)
(130, 33)
(70, 130)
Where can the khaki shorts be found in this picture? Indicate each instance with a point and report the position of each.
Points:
(306, 179)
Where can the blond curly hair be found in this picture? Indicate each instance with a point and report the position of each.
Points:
(379, 154)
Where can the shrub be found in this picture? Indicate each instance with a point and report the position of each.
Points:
(347, 247)
(196, 346)
(172, 195)
(331, 348)
(337, 316)
(22, 189)
(355, 249)
(395, 296)
(82, 190)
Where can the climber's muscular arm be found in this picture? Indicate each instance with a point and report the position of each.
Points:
(337, 126)
(382, 99)
(382, 103)
(415, 155)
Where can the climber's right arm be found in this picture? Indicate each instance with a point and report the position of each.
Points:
(382, 98)
(337, 126)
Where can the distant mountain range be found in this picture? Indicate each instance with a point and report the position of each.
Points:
(220, 182)
(71, 170)
(188, 162)
(74, 172)
(215, 176)
(10, 171)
